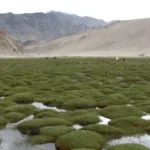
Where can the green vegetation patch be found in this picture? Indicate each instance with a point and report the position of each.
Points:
(21, 89)
(113, 99)
(85, 119)
(25, 109)
(46, 114)
(144, 106)
(41, 111)
(79, 103)
(5, 103)
(131, 125)
(36, 124)
(14, 117)
(128, 147)
(80, 139)
(84, 149)
(22, 98)
(50, 134)
(78, 85)
(109, 132)
(117, 111)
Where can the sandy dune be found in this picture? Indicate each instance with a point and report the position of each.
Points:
(126, 38)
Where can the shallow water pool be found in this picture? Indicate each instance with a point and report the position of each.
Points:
(12, 139)
(138, 139)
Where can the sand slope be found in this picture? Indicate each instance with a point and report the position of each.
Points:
(126, 38)
(8, 47)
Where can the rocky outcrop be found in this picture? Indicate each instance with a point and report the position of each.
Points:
(8, 46)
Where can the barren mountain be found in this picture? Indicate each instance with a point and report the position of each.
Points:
(8, 46)
(33, 27)
(126, 38)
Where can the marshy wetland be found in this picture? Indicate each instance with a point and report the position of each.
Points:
(74, 103)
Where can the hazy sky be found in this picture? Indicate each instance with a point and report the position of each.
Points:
(102, 9)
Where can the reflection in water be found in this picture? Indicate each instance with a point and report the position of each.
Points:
(12, 139)
(143, 140)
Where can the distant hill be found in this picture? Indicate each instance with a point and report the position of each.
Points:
(124, 38)
(30, 28)
(8, 46)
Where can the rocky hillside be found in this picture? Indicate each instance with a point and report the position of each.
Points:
(32, 27)
(125, 38)
(8, 46)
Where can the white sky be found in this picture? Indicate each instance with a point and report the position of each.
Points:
(102, 9)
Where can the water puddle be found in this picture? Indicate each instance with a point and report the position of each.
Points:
(146, 117)
(104, 120)
(13, 125)
(143, 140)
(2, 97)
(77, 126)
(12, 139)
(129, 105)
(42, 106)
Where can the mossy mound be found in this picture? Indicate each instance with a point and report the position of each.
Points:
(17, 83)
(41, 111)
(36, 124)
(144, 106)
(79, 103)
(131, 125)
(128, 147)
(46, 114)
(5, 103)
(108, 132)
(119, 111)
(113, 99)
(50, 134)
(13, 117)
(23, 98)
(80, 139)
(25, 109)
(85, 119)
(84, 149)
(21, 89)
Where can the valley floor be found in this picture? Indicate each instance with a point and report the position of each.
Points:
(76, 103)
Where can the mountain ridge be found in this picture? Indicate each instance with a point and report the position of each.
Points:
(30, 28)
